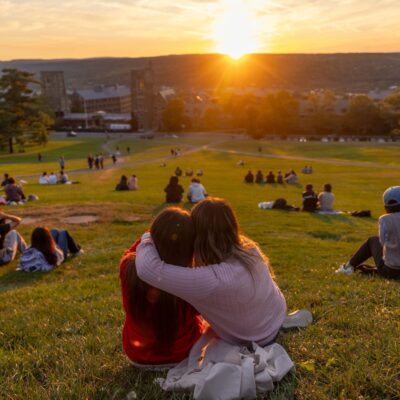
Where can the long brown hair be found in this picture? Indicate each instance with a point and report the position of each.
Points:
(218, 236)
(173, 235)
(42, 240)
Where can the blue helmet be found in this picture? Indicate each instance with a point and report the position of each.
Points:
(391, 197)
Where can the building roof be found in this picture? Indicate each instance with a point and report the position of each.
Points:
(103, 92)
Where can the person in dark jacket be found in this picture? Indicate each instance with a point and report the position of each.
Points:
(310, 199)
(271, 177)
(14, 192)
(174, 191)
(259, 177)
(123, 184)
(249, 178)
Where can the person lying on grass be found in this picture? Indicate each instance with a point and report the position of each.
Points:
(159, 328)
(232, 287)
(10, 240)
(48, 249)
(385, 248)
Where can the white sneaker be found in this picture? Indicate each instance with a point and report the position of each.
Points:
(81, 252)
(298, 319)
(345, 269)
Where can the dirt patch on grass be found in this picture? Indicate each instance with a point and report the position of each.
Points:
(81, 214)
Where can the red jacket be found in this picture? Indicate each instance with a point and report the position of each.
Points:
(139, 343)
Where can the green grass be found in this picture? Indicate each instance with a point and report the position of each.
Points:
(60, 332)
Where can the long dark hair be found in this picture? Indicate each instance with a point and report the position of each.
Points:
(42, 240)
(173, 235)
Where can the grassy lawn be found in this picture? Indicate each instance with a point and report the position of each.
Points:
(60, 332)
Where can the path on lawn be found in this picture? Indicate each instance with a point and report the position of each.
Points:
(120, 159)
(364, 164)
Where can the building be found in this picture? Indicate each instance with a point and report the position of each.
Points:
(97, 121)
(144, 98)
(114, 99)
(53, 87)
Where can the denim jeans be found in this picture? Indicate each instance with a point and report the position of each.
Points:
(65, 242)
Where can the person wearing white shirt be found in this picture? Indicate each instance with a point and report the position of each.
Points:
(196, 191)
(44, 179)
(52, 180)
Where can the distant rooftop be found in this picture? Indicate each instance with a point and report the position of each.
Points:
(104, 92)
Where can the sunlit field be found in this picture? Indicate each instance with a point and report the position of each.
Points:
(60, 332)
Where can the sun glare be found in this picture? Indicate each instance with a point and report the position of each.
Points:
(235, 31)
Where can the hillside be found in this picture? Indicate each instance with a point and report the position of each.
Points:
(341, 72)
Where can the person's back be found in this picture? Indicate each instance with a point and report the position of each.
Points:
(310, 199)
(132, 183)
(159, 328)
(249, 178)
(259, 177)
(174, 191)
(123, 184)
(270, 177)
(52, 179)
(43, 179)
(196, 192)
(279, 178)
(391, 244)
(326, 200)
(13, 191)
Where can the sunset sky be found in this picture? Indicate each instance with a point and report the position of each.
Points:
(91, 28)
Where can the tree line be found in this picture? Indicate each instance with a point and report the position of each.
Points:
(283, 114)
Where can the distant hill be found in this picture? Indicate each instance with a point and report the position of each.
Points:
(340, 72)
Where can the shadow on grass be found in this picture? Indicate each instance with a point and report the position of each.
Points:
(16, 279)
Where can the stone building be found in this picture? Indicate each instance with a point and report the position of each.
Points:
(53, 87)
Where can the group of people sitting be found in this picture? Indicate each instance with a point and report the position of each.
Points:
(307, 170)
(174, 191)
(53, 179)
(13, 193)
(48, 248)
(188, 172)
(290, 178)
(126, 183)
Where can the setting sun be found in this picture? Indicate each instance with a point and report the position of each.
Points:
(235, 31)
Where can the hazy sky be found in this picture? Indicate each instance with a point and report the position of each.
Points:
(79, 28)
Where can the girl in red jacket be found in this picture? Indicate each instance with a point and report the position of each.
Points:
(159, 328)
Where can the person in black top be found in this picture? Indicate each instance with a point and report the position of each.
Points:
(279, 178)
(123, 184)
(10, 239)
(6, 180)
(270, 177)
(259, 177)
(174, 191)
(249, 178)
(310, 199)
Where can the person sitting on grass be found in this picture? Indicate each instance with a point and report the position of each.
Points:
(63, 178)
(291, 178)
(10, 240)
(270, 177)
(159, 328)
(279, 178)
(178, 171)
(232, 277)
(14, 192)
(5, 181)
(189, 172)
(123, 184)
(133, 182)
(174, 191)
(326, 199)
(52, 179)
(249, 178)
(196, 191)
(48, 249)
(44, 179)
(384, 248)
(259, 177)
(310, 199)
